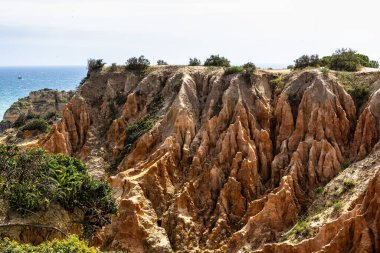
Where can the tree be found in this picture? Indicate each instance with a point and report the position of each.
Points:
(139, 64)
(306, 61)
(162, 62)
(218, 61)
(95, 64)
(249, 67)
(345, 60)
(194, 62)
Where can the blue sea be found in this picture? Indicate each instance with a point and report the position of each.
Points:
(35, 78)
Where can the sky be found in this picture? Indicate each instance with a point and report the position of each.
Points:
(266, 32)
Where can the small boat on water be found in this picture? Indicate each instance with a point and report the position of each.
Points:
(19, 77)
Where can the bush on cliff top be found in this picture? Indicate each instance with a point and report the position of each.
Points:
(95, 64)
(162, 62)
(217, 61)
(194, 62)
(341, 60)
(138, 64)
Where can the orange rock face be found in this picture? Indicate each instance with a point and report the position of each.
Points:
(222, 163)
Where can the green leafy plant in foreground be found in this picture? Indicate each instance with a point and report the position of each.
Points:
(69, 245)
(32, 179)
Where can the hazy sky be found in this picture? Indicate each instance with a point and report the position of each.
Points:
(68, 32)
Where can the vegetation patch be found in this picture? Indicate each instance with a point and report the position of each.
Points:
(137, 129)
(357, 87)
(37, 124)
(161, 62)
(301, 230)
(218, 61)
(233, 70)
(138, 64)
(30, 180)
(341, 60)
(194, 62)
(337, 205)
(95, 64)
(319, 190)
(70, 245)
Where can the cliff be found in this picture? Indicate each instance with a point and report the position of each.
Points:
(38, 103)
(202, 161)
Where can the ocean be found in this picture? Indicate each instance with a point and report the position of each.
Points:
(35, 78)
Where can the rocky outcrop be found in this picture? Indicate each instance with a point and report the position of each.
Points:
(208, 161)
(355, 231)
(368, 129)
(38, 103)
(38, 227)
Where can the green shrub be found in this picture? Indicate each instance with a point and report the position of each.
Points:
(291, 67)
(249, 67)
(349, 184)
(95, 64)
(135, 130)
(36, 124)
(357, 87)
(345, 60)
(194, 62)
(233, 70)
(139, 64)
(69, 245)
(319, 190)
(52, 116)
(113, 67)
(324, 70)
(218, 61)
(337, 205)
(306, 61)
(30, 180)
(162, 62)
(373, 64)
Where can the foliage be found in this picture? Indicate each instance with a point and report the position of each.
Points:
(319, 190)
(216, 60)
(95, 64)
(194, 62)
(52, 116)
(337, 205)
(291, 67)
(162, 62)
(144, 124)
(301, 229)
(357, 87)
(374, 64)
(233, 70)
(306, 61)
(36, 124)
(345, 60)
(113, 67)
(137, 129)
(341, 60)
(32, 179)
(324, 70)
(349, 184)
(69, 245)
(249, 67)
(139, 64)
(22, 119)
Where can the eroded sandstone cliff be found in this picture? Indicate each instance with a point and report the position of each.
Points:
(222, 163)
